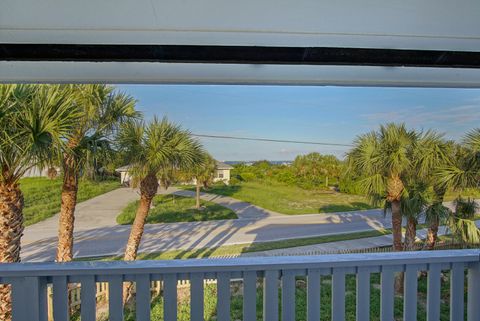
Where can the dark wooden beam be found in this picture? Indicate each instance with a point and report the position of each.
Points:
(240, 55)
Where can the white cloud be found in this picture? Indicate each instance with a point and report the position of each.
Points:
(419, 116)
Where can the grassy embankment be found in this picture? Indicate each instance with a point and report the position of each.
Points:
(42, 195)
(291, 200)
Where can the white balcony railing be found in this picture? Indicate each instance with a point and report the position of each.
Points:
(30, 281)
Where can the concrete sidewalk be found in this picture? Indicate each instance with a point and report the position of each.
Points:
(339, 246)
(98, 212)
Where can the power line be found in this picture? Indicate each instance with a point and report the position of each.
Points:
(271, 140)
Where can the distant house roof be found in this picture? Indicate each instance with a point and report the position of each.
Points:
(221, 165)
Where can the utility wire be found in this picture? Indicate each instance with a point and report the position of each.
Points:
(271, 140)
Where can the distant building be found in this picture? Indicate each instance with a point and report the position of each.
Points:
(222, 174)
(125, 176)
(39, 172)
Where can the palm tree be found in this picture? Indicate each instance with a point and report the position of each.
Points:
(331, 167)
(414, 202)
(462, 224)
(385, 159)
(431, 154)
(203, 175)
(463, 172)
(34, 121)
(150, 148)
(102, 110)
(167, 176)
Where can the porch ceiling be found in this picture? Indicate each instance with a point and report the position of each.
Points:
(345, 42)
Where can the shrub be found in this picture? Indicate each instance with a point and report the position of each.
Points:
(235, 180)
(349, 186)
(248, 177)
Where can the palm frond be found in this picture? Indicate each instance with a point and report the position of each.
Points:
(160, 144)
(35, 124)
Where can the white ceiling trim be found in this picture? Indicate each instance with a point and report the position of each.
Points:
(184, 73)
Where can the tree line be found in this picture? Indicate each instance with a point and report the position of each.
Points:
(310, 171)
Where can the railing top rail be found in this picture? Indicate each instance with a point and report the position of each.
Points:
(238, 264)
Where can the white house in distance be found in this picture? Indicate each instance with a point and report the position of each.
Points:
(37, 171)
(222, 173)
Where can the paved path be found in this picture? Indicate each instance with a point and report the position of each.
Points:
(97, 234)
(98, 212)
(339, 246)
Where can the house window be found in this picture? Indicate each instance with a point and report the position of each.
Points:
(220, 175)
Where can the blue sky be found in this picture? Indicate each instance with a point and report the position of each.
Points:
(323, 114)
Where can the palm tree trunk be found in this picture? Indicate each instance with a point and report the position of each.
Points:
(397, 226)
(137, 228)
(197, 195)
(410, 234)
(397, 240)
(11, 221)
(432, 234)
(148, 189)
(67, 211)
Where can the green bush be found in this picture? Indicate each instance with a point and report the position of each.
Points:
(286, 177)
(235, 180)
(248, 177)
(349, 186)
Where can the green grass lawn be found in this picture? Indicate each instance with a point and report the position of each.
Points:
(290, 199)
(234, 250)
(42, 195)
(236, 313)
(174, 208)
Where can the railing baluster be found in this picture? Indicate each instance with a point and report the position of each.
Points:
(249, 296)
(313, 295)
(142, 297)
(19, 299)
(363, 294)
(196, 297)
(60, 298)
(457, 287)
(473, 303)
(288, 296)
(410, 293)
(338, 294)
(433, 293)
(387, 295)
(270, 296)
(88, 298)
(115, 298)
(31, 292)
(170, 297)
(223, 297)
